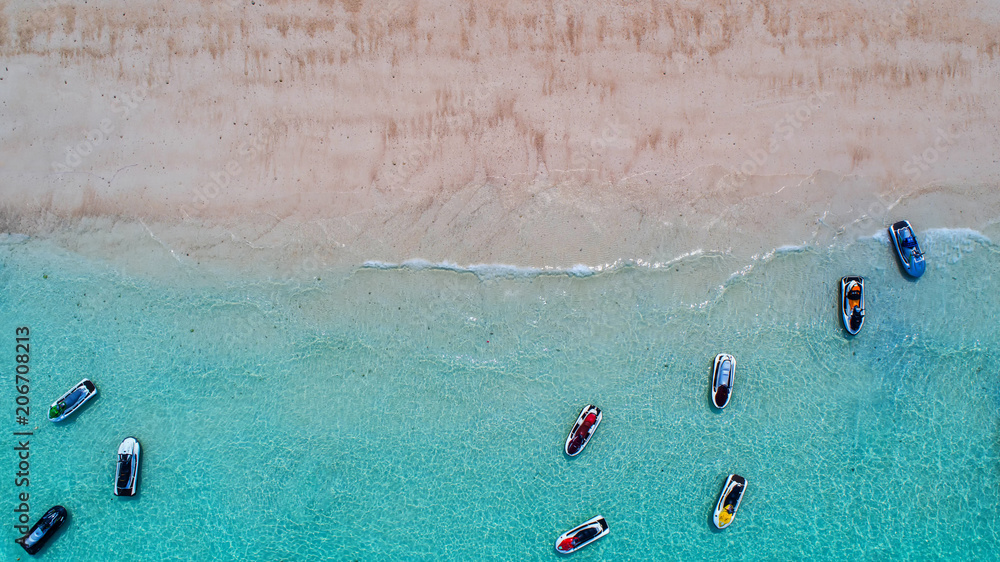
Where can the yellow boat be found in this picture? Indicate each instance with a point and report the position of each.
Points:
(729, 500)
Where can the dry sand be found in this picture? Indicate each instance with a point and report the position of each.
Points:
(299, 136)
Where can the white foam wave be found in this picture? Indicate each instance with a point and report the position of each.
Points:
(763, 258)
(486, 271)
(789, 249)
(941, 246)
(937, 235)
(948, 245)
(881, 236)
(955, 235)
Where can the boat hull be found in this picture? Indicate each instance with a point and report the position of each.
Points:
(576, 443)
(64, 411)
(729, 501)
(722, 393)
(846, 308)
(911, 259)
(597, 528)
(127, 467)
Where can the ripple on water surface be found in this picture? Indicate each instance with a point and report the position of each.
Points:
(420, 414)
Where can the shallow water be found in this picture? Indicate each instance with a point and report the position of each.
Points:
(419, 414)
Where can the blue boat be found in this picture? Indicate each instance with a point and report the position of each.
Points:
(907, 249)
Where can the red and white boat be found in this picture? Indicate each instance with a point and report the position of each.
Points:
(584, 428)
(579, 537)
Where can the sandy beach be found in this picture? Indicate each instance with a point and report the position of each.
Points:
(301, 136)
(349, 271)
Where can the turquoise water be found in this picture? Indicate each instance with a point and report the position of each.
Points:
(420, 415)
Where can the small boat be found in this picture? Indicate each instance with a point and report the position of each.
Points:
(43, 530)
(729, 501)
(852, 300)
(72, 400)
(579, 537)
(907, 249)
(127, 469)
(583, 429)
(723, 376)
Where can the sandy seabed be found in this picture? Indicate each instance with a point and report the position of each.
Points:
(294, 137)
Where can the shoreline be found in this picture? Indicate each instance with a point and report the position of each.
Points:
(275, 137)
(134, 250)
(358, 365)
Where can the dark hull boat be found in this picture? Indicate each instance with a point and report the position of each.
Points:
(42, 531)
(729, 500)
(583, 429)
(723, 376)
(907, 248)
(127, 468)
(579, 537)
(852, 303)
(72, 400)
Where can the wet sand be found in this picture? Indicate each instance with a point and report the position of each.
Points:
(301, 136)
